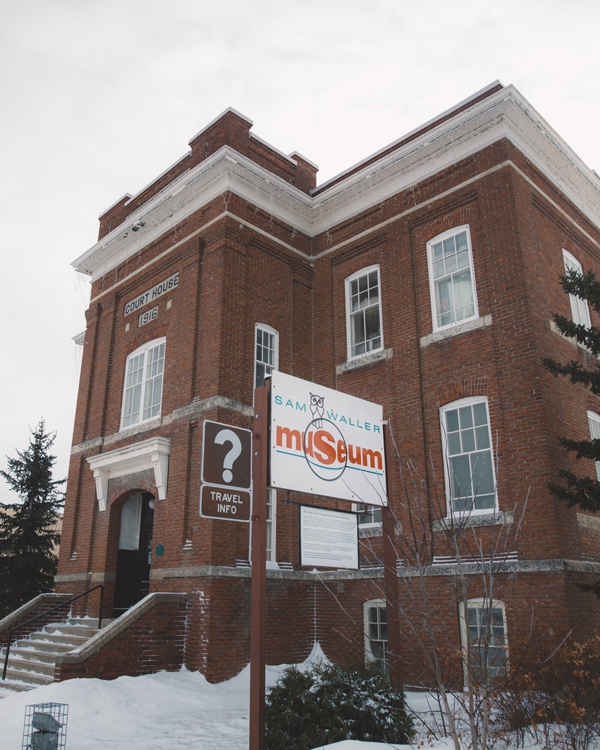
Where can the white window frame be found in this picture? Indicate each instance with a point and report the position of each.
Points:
(371, 510)
(370, 657)
(580, 312)
(432, 281)
(144, 349)
(453, 405)
(272, 332)
(594, 425)
(358, 274)
(480, 603)
(272, 525)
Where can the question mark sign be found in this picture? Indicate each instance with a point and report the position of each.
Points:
(229, 436)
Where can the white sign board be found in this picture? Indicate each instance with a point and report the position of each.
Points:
(328, 538)
(325, 442)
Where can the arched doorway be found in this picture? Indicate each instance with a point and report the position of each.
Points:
(135, 551)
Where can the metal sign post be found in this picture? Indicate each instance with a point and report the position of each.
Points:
(260, 448)
(390, 566)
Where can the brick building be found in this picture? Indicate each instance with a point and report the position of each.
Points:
(423, 278)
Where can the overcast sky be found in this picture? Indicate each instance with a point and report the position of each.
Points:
(100, 96)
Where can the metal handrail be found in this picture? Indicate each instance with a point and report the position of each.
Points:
(49, 611)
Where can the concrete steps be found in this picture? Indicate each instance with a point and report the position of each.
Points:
(32, 660)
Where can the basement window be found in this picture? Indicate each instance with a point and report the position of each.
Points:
(485, 624)
(369, 517)
(376, 635)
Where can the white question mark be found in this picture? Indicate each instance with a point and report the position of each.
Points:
(229, 436)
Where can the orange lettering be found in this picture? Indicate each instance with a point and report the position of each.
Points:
(354, 458)
(290, 437)
(374, 457)
(325, 444)
(308, 436)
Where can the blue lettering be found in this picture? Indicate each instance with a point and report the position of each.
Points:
(332, 415)
(301, 407)
(343, 419)
(376, 428)
(278, 400)
(368, 426)
(289, 402)
(351, 422)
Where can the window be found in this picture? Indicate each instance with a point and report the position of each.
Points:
(271, 525)
(594, 422)
(266, 357)
(485, 624)
(376, 638)
(451, 278)
(369, 517)
(271, 531)
(468, 459)
(363, 312)
(579, 307)
(142, 393)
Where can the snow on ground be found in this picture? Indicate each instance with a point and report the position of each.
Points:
(159, 712)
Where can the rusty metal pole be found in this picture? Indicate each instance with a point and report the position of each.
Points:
(390, 566)
(260, 449)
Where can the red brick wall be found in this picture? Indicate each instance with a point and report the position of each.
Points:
(232, 277)
(155, 641)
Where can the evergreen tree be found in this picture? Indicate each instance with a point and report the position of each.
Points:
(583, 492)
(27, 527)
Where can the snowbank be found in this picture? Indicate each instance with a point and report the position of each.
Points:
(154, 712)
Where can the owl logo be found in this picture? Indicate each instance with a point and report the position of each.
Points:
(317, 408)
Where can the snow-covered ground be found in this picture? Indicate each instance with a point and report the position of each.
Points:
(155, 712)
(165, 711)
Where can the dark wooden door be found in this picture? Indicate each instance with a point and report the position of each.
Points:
(133, 565)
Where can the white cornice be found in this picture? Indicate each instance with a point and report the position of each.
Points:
(505, 114)
(148, 454)
(387, 147)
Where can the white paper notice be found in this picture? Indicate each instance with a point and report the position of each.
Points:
(328, 538)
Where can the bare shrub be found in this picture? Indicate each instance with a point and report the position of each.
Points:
(552, 694)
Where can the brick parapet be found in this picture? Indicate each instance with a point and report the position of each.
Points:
(148, 638)
(232, 130)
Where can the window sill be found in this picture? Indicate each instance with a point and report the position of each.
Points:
(484, 519)
(456, 330)
(138, 427)
(366, 359)
(569, 339)
(370, 531)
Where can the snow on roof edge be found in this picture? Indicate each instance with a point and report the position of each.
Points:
(407, 135)
(218, 117)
